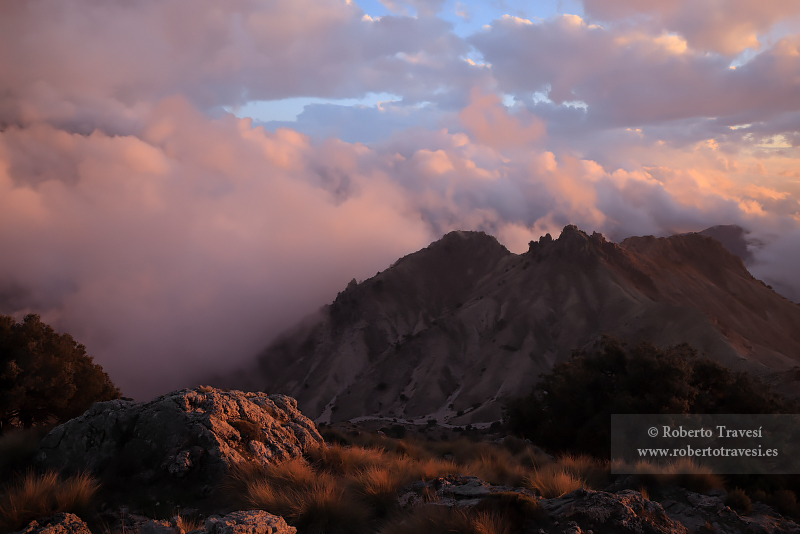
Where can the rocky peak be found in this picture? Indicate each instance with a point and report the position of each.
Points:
(572, 244)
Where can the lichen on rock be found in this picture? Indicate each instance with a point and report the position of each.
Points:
(185, 440)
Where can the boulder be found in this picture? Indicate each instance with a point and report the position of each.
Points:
(579, 512)
(247, 522)
(60, 523)
(611, 512)
(241, 522)
(703, 512)
(460, 491)
(623, 512)
(182, 443)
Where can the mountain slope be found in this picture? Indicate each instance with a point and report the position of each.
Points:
(453, 330)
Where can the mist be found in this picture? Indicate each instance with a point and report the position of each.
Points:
(175, 239)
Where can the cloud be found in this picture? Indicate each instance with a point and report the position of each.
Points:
(724, 26)
(80, 64)
(489, 122)
(628, 77)
(363, 124)
(197, 240)
(425, 8)
(174, 239)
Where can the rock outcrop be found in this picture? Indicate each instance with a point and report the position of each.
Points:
(619, 512)
(185, 441)
(241, 522)
(247, 522)
(623, 512)
(58, 524)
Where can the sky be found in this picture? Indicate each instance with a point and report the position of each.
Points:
(182, 180)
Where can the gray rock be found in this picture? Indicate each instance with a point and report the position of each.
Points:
(623, 512)
(247, 522)
(185, 440)
(60, 523)
(155, 526)
(452, 490)
(696, 511)
(579, 512)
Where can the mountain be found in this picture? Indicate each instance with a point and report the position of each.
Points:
(453, 330)
(733, 238)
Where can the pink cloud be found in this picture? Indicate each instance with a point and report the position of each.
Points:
(724, 26)
(175, 239)
(490, 123)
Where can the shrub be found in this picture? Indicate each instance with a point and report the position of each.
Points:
(36, 496)
(785, 501)
(739, 501)
(44, 376)
(570, 408)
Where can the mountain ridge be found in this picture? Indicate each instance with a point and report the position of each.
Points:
(453, 330)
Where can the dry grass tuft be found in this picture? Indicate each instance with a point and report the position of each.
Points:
(427, 469)
(552, 481)
(595, 473)
(341, 460)
(516, 508)
(739, 501)
(377, 488)
(323, 506)
(434, 519)
(42, 495)
(683, 473)
(498, 467)
(295, 473)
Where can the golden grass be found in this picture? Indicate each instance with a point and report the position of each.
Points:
(377, 488)
(552, 481)
(350, 488)
(497, 467)
(426, 469)
(434, 519)
(323, 507)
(739, 501)
(188, 524)
(42, 495)
(514, 507)
(340, 459)
(683, 473)
(595, 473)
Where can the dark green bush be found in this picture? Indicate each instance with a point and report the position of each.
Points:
(570, 408)
(45, 377)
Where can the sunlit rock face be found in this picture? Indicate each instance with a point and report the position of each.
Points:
(185, 441)
(452, 331)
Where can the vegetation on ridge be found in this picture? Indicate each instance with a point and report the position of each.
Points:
(569, 410)
(45, 377)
